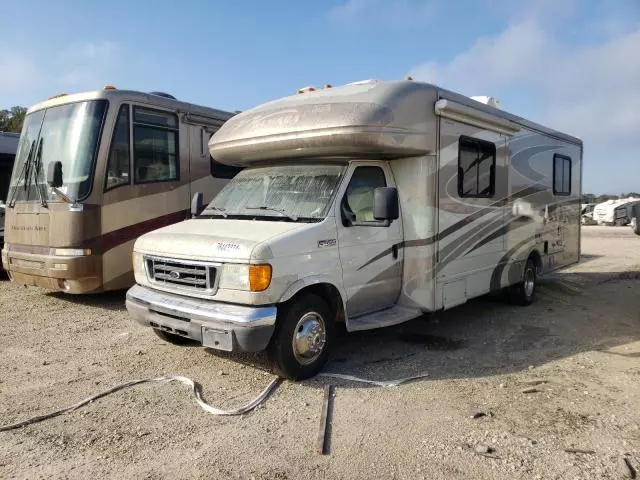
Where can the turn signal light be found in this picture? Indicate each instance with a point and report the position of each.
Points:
(259, 277)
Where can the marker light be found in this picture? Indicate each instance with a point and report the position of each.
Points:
(109, 87)
(259, 277)
(307, 89)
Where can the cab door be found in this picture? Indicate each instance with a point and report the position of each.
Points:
(370, 251)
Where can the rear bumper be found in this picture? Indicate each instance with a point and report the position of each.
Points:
(215, 325)
(66, 274)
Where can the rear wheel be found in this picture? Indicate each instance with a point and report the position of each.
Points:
(524, 293)
(304, 332)
(171, 337)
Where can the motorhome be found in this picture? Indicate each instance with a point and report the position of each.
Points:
(614, 212)
(368, 204)
(8, 148)
(94, 171)
(586, 213)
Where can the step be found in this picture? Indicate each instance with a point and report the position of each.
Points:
(383, 318)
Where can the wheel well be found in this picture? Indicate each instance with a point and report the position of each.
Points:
(536, 259)
(329, 294)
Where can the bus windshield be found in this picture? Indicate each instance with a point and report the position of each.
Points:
(282, 192)
(65, 133)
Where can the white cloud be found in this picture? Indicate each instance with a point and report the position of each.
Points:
(398, 14)
(592, 91)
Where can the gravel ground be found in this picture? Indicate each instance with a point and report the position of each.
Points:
(575, 351)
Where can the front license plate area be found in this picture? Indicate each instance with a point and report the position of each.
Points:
(217, 339)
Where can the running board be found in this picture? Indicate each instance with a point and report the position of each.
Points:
(383, 318)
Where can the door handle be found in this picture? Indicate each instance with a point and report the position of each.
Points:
(394, 251)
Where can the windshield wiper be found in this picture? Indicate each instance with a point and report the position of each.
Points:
(217, 209)
(24, 173)
(37, 167)
(281, 211)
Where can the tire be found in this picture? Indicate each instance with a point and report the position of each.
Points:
(524, 293)
(306, 322)
(172, 338)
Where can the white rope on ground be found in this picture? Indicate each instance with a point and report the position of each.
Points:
(379, 383)
(196, 391)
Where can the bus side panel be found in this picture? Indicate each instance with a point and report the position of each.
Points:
(131, 210)
(542, 220)
(416, 180)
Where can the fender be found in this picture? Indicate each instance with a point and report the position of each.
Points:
(315, 280)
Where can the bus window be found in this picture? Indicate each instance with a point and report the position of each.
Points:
(155, 150)
(118, 164)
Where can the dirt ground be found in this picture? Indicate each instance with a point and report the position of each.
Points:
(576, 351)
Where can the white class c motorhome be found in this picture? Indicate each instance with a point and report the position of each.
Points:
(367, 204)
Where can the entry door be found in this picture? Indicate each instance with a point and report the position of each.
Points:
(371, 255)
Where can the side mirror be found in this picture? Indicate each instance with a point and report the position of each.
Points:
(54, 174)
(196, 204)
(385, 204)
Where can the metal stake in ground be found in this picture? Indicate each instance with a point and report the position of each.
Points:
(321, 445)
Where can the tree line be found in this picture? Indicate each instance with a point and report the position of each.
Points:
(592, 198)
(11, 120)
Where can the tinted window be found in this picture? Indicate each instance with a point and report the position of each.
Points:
(155, 136)
(359, 194)
(119, 154)
(220, 170)
(561, 175)
(476, 168)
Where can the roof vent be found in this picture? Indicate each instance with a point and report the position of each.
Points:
(491, 101)
(364, 82)
(162, 94)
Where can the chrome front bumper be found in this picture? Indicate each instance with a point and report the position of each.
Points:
(216, 325)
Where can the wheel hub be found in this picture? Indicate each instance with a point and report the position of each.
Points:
(529, 282)
(309, 338)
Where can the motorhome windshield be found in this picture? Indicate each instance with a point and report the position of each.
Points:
(66, 133)
(282, 192)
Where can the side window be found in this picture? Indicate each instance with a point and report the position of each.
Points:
(155, 147)
(359, 194)
(561, 175)
(119, 153)
(476, 168)
(220, 170)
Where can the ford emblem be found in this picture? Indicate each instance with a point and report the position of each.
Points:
(174, 274)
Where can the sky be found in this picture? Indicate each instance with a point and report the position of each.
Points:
(572, 65)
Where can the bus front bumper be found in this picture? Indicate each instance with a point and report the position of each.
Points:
(220, 326)
(68, 274)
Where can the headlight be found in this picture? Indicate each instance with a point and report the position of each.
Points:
(72, 252)
(138, 263)
(255, 278)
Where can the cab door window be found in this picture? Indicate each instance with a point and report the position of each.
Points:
(359, 194)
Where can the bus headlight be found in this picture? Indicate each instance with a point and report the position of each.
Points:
(254, 278)
(72, 252)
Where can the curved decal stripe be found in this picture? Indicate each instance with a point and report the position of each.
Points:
(117, 237)
(496, 275)
(421, 242)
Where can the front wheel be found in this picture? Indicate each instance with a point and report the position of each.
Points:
(523, 293)
(304, 332)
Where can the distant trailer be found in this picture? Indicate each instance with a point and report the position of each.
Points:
(8, 149)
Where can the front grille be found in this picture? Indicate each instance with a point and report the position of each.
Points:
(181, 274)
